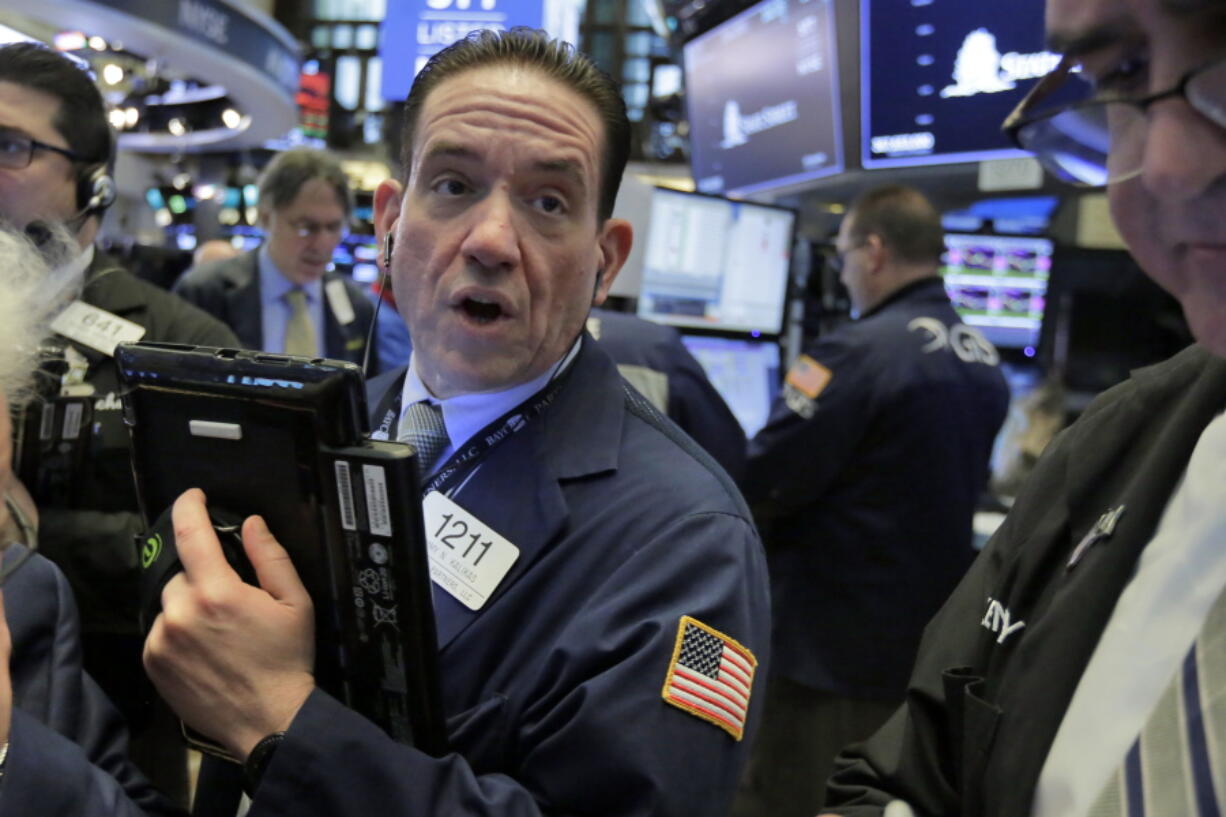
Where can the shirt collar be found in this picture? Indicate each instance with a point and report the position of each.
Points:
(466, 414)
(274, 285)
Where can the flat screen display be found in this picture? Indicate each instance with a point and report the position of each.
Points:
(762, 97)
(744, 371)
(715, 263)
(939, 77)
(998, 284)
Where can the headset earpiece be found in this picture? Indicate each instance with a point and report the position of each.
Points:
(96, 190)
(387, 251)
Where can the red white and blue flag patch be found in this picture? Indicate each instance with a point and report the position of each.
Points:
(710, 676)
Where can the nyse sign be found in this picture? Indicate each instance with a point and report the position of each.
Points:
(415, 30)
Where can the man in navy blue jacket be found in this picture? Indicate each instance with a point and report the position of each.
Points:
(600, 654)
(865, 479)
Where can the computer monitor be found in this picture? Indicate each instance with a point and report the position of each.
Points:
(762, 95)
(998, 284)
(716, 264)
(744, 371)
(937, 79)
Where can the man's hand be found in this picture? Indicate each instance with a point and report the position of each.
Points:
(234, 661)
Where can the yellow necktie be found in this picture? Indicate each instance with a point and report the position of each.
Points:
(299, 331)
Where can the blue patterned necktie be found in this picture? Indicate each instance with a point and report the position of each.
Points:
(1177, 764)
(421, 425)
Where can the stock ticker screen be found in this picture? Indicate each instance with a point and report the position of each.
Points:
(998, 284)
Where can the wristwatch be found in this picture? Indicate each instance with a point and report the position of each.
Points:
(258, 760)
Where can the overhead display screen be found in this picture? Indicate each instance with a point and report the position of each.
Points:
(940, 76)
(762, 98)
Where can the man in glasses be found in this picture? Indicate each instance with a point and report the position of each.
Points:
(56, 160)
(864, 481)
(284, 296)
(1078, 668)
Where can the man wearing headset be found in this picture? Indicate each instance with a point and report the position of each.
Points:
(56, 151)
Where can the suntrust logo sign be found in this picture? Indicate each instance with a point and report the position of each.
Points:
(738, 127)
(980, 68)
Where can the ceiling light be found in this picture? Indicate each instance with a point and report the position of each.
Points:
(112, 74)
(131, 116)
(176, 126)
(97, 43)
(117, 119)
(231, 118)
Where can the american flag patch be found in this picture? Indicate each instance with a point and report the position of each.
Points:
(809, 377)
(710, 676)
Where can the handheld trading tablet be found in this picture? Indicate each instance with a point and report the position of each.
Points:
(285, 437)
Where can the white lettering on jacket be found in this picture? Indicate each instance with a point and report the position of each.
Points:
(999, 620)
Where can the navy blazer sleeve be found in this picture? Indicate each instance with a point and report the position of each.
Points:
(68, 745)
(591, 735)
(794, 457)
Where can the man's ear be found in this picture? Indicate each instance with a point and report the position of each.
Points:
(616, 238)
(878, 253)
(388, 197)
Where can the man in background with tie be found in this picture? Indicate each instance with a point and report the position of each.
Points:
(606, 612)
(283, 296)
(1080, 668)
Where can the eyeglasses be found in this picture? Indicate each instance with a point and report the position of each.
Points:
(17, 151)
(1100, 141)
(309, 229)
(839, 260)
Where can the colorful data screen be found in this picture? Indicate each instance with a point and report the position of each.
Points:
(998, 284)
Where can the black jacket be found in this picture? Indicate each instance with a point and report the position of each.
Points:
(230, 291)
(983, 706)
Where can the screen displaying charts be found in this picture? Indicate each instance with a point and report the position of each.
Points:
(715, 263)
(744, 371)
(761, 91)
(938, 77)
(998, 284)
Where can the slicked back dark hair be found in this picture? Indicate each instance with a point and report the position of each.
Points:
(905, 221)
(81, 118)
(285, 175)
(558, 60)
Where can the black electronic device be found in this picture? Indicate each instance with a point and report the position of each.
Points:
(285, 438)
(51, 434)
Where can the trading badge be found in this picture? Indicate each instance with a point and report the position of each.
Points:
(710, 676)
